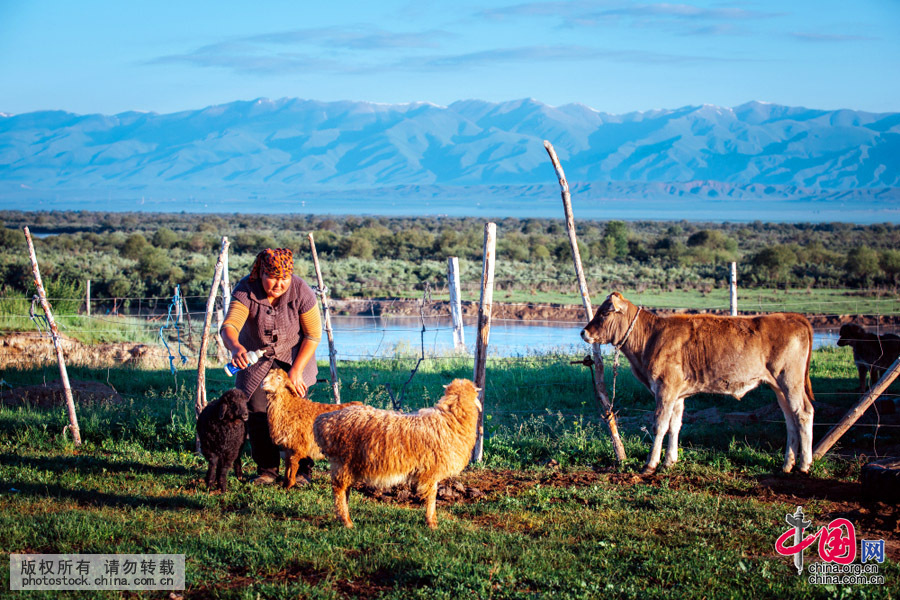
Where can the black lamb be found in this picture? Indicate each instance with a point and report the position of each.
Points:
(222, 428)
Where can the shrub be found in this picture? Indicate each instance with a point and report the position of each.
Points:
(862, 264)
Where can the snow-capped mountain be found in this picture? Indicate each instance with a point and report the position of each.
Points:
(292, 145)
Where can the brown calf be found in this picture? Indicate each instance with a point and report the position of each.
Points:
(873, 354)
(682, 355)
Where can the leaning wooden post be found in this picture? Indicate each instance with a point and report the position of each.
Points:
(599, 379)
(332, 353)
(857, 411)
(733, 288)
(459, 340)
(222, 353)
(87, 297)
(204, 337)
(54, 334)
(483, 331)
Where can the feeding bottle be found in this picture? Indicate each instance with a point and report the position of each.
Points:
(231, 368)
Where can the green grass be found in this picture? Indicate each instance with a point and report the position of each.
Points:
(135, 486)
(68, 313)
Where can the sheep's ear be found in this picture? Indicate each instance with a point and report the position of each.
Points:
(223, 410)
(478, 390)
(446, 386)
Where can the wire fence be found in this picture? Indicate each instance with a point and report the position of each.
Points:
(530, 328)
(423, 331)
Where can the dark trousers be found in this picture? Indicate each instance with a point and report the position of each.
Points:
(263, 450)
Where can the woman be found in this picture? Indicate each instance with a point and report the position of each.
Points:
(275, 313)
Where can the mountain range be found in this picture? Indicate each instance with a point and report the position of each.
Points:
(291, 148)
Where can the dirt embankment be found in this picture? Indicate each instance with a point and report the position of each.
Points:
(27, 349)
(559, 312)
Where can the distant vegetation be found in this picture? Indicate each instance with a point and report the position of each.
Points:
(132, 255)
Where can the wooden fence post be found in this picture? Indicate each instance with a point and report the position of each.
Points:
(226, 286)
(483, 331)
(332, 353)
(857, 411)
(221, 351)
(87, 297)
(204, 337)
(187, 316)
(54, 334)
(599, 376)
(178, 305)
(733, 288)
(459, 340)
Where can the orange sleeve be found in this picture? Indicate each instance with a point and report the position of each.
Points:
(237, 316)
(311, 324)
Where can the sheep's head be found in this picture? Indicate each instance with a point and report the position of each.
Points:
(233, 406)
(276, 380)
(464, 391)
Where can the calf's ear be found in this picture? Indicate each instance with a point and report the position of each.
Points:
(618, 302)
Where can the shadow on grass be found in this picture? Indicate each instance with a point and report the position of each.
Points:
(90, 465)
(95, 498)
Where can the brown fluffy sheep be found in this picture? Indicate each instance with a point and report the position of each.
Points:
(290, 424)
(384, 448)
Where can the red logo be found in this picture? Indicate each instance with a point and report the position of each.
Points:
(837, 540)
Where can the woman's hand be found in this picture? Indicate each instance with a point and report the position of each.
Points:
(239, 356)
(295, 375)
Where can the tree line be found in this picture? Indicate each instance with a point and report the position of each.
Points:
(146, 254)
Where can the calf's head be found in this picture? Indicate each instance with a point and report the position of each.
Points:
(610, 322)
(851, 333)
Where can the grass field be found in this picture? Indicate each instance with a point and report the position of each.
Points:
(556, 518)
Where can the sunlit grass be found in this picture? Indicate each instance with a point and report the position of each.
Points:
(135, 486)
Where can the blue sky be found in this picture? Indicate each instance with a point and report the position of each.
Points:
(108, 56)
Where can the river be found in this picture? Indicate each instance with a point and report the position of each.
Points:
(360, 338)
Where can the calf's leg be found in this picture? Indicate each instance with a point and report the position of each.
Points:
(805, 416)
(790, 420)
(674, 428)
(665, 404)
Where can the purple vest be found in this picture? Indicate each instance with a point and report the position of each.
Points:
(275, 331)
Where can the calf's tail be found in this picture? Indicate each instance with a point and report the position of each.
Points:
(808, 384)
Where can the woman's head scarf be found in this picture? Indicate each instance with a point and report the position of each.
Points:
(278, 263)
